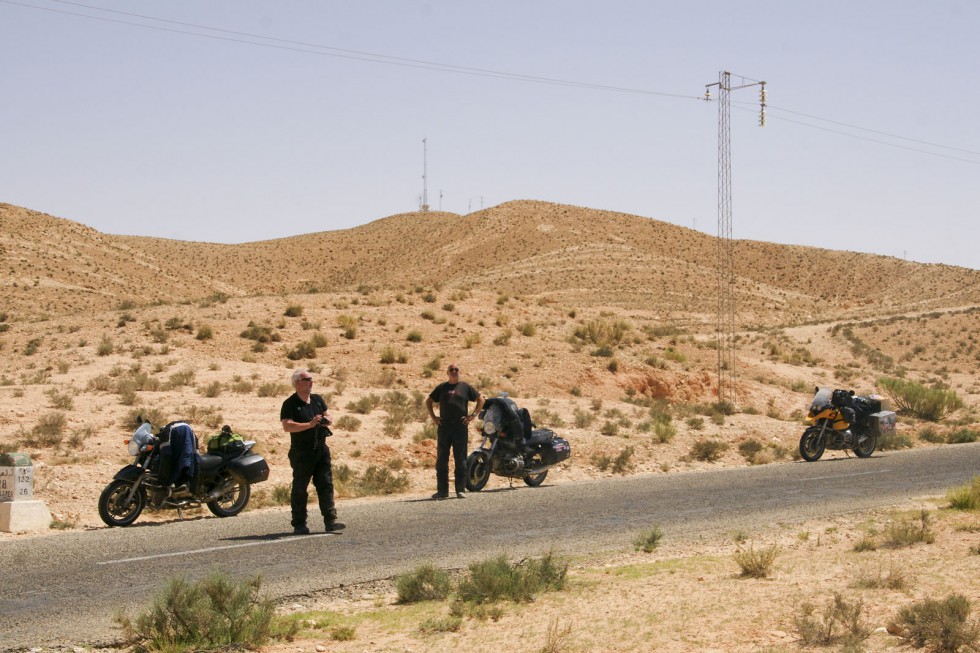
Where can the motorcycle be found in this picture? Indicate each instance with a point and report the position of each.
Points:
(839, 420)
(222, 480)
(512, 447)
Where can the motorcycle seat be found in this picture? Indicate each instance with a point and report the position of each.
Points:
(540, 436)
(209, 461)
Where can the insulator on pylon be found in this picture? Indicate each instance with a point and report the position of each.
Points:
(762, 117)
(707, 95)
(762, 96)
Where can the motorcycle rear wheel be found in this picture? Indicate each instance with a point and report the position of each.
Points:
(812, 445)
(234, 500)
(534, 480)
(113, 507)
(866, 447)
(477, 471)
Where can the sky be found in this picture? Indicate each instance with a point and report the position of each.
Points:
(235, 121)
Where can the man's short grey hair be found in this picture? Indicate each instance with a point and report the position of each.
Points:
(297, 373)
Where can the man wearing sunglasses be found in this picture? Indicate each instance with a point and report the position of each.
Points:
(304, 416)
(453, 422)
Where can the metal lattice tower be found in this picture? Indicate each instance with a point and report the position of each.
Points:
(725, 328)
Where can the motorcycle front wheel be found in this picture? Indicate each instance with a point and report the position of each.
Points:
(534, 480)
(116, 509)
(477, 471)
(812, 444)
(866, 445)
(234, 500)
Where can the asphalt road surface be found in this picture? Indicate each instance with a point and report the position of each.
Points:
(66, 588)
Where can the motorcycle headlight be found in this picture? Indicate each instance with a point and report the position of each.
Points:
(489, 428)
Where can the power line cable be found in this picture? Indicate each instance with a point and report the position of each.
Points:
(314, 48)
(372, 57)
(873, 140)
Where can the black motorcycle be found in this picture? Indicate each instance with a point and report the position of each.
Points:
(512, 447)
(221, 480)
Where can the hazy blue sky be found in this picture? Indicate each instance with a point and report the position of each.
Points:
(271, 124)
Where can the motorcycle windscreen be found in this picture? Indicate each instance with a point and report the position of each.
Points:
(821, 399)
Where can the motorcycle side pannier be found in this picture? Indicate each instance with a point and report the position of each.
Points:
(555, 451)
(882, 423)
(252, 468)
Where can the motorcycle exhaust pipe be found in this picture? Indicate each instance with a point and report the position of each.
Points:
(217, 493)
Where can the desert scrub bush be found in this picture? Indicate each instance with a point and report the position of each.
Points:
(943, 626)
(304, 349)
(497, 579)
(179, 379)
(364, 405)
(609, 428)
(380, 480)
(211, 390)
(930, 404)
(105, 346)
(348, 324)
(271, 389)
(414, 336)
(966, 497)
(624, 463)
(260, 333)
(910, 531)
(648, 540)
(695, 423)
(601, 461)
(347, 423)
(343, 633)
(503, 339)
(894, 440)
(583, 419)
(756, 564)
(749, 449)
(868, 542)
(664, 432)
(293, 310)
(448, 624)
(895, 577)
(48, 432)
(708, 450)
(60, 400)
(841, 623)
(601, 332)
(929, 434)
(425, 583)
(215, 613)
(961, 436)
(204, 332)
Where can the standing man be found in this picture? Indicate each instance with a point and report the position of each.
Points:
(304, 416)
(453, 421)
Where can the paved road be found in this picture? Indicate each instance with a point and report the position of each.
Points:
(65, 588)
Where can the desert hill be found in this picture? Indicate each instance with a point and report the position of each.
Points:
(564, 253)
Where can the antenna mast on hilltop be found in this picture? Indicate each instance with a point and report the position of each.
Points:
(726, 248)
(424, 206)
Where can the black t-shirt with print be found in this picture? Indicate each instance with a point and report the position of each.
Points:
(299, 411)
(452, 398)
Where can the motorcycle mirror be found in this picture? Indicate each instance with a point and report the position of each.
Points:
(139, 420)
(850, 393)
(816, 389)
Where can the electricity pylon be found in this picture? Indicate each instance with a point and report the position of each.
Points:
(726, 247)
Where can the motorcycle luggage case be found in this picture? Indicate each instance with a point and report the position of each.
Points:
(252, 468)
(882, 423)
(555, 451)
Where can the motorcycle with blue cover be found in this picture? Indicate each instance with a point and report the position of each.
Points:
(220, 479)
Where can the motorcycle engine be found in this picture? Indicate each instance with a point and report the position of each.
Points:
(512, 464)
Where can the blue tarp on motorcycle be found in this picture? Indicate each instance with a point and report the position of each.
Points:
(178, 454)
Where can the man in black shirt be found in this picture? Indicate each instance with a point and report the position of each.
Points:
(304, 416)
(453, 421)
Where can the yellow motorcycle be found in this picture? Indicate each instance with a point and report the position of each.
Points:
(839, 420)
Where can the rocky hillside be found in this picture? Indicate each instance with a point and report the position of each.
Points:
(564, 253)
